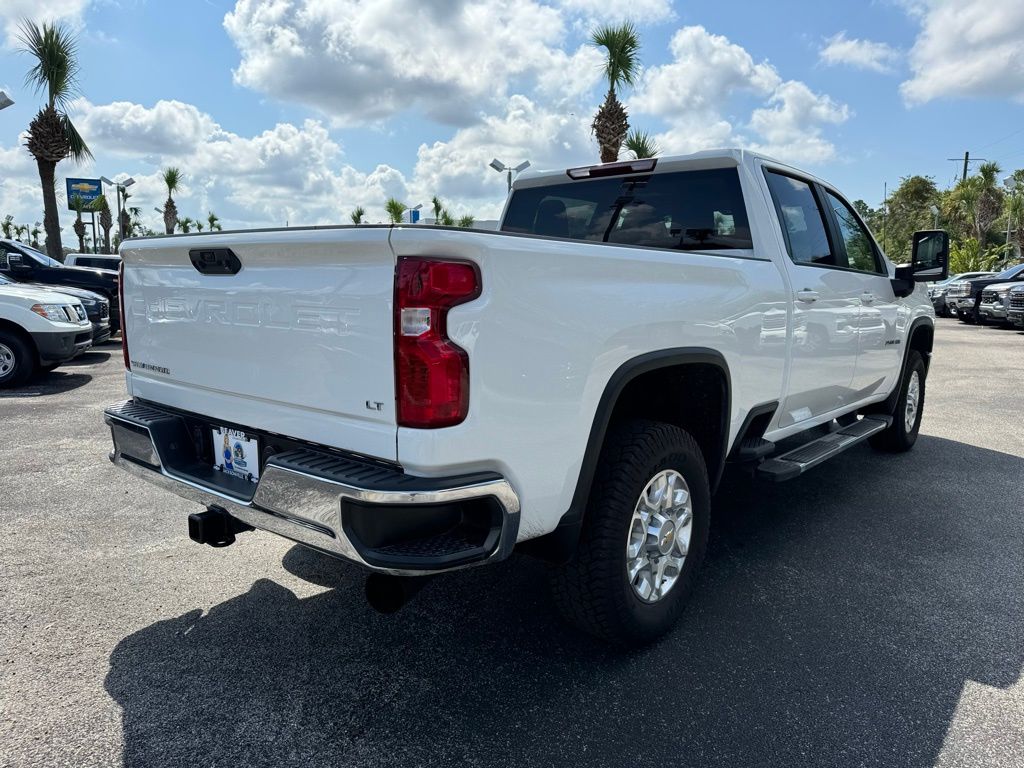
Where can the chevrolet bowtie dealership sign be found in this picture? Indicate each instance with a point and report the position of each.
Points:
(87, 189)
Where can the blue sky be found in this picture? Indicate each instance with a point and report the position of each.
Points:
(295, 110)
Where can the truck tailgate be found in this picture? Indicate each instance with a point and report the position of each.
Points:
(298, 341)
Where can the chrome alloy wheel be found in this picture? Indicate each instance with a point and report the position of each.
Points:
(913, 401)
(7, 360)
(659, 536)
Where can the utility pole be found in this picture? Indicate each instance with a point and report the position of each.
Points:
(967, 162)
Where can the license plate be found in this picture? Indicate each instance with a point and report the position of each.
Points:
(236, 453)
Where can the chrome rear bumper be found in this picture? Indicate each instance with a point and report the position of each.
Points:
(317, 498)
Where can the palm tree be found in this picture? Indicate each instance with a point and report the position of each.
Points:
(466, 221)
(36, 231)
(446, 219)
(213, 220)
(51, 135)
(8, 226)
(438, 207)
(106, 220)
(621, 67)
(641, 144)
(357, 215)
(199, 226)
(78, 204)
(395, 210)
(19, 230)
(185, 225)
(172, 178)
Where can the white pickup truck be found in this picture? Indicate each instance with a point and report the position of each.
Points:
(419, 398)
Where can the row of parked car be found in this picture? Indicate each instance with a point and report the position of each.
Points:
(982, 297)
(51, 312)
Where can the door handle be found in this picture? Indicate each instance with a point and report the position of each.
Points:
(867, 298)
(807, 296)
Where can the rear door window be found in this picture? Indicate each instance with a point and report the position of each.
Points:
(804, 222)
(685, 210)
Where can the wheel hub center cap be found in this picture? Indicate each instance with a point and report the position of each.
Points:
(666, 538)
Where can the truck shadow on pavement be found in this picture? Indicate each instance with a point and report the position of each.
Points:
(837, 621)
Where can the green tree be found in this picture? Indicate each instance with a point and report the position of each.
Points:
(357, 215)
(36, 231)
(447, 220)
(438, 206)
(621, 45)
(172, 179)
(185, 225)
(213, 222)
(8, 226)
(466, 222)
(641, 144)
(79, 205)
(106, 220)
(967, 256)
(395, 210)
(199, 225)
(909, 210)
(51, 135)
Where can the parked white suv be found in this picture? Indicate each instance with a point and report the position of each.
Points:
(38, 329)
(111, 262)
(418, 399)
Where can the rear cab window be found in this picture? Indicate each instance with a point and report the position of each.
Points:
(699, 210)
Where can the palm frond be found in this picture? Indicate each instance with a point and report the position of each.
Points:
(172, 178)
(55, 71)
(395, 210)
(466, 222)
(622, 52)
(80, 151)
(357, 215)
(641, 144)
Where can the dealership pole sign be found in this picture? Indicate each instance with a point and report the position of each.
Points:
(87, 189)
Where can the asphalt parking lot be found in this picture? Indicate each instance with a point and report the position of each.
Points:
(869, 613)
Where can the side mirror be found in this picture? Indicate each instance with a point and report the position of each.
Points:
(15, 262)
(929, 261)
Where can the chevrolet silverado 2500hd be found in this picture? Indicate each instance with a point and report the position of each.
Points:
(418, 398)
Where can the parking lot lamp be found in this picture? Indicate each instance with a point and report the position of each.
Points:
(500, 167)
(1011, 185)
(120, 187)
(5, 100)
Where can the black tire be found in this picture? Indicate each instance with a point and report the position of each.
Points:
(897, 438)
(592, 590)
(24, 360)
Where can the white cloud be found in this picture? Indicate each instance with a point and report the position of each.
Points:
(707, 75)
(285, 173)
(860, 54)
(13, 11)
(457, 169)
(363, 62)
(967, 48)
(637, 11)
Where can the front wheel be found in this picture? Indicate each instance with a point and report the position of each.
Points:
(906, 418)
(644, 536)
(17, 360)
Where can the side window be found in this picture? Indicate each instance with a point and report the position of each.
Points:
(806, 235)
(860, 253)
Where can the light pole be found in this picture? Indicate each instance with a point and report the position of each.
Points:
(5, 100)
(120, 187)
(500, 167)
(1011, 184)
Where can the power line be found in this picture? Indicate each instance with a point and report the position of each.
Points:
(967, 161)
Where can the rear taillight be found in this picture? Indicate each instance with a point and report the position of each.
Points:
(431, 372)
(124, 318)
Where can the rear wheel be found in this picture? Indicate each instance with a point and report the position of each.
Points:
(906, 418)
(17, 360)
(644, 536)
